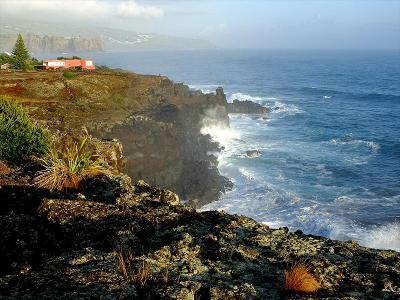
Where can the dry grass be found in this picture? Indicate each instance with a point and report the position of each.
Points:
(140, 275)
(299, 279)
(67, 165)
(165, 277)
(143, 274)
(122, 266)
(4, 169)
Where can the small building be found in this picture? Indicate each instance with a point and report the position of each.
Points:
(5, 66)
(86, 64)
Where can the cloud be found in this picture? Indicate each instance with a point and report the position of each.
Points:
(132, 9)
(88, 9)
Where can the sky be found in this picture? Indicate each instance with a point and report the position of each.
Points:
(344, 24)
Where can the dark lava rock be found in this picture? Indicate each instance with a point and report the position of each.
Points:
(253, 153)
(246, 107)
(72, 249)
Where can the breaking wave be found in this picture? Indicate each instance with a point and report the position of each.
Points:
(348, 140)
(279, 107)
(244, 97)
(382, 237)
(205, 88)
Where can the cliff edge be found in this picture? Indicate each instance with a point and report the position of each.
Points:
(157, 121)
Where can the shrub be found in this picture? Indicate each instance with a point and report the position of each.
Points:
(20, 137)
(6, 59)
(68, 75)
(66, 58)
(67, 165)
(299, 279)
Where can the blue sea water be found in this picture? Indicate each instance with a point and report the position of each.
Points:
(330, 150)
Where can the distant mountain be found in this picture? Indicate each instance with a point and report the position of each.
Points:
(52, 44)
(44, 37)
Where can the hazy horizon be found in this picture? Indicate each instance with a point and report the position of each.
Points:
(286, 24)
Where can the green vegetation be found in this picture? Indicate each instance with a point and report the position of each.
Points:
(20, 137)
(103, 68)
(68, 75)
(6, 59)
(65, 58)
(20, 58)
(68, 164)
(20, 55)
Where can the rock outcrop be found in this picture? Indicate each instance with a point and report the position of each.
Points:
(157, 121)
(150, 247)
(246, 107)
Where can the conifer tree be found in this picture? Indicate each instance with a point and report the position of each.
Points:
(21, 54)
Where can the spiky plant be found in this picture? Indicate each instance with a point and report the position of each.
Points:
(67, 165)
(299, 279)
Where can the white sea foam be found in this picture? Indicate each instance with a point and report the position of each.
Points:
(382, 237)
(244, 97)
(221, 134)
(280, 107)
(205, 88)
(327, 97)
(348, 141)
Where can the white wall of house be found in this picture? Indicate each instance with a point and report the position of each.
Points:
(56, 64)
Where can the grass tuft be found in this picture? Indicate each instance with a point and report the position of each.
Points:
(299, 279)
(138, 275)
(67, 165)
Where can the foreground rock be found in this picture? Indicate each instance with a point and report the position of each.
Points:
(246, 107)
(144, 245)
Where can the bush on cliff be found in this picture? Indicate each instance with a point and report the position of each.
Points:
(68, 75)
(20, 137)
(68, 164)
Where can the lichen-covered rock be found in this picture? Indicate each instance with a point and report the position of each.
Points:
(144, 191)
(151, 250)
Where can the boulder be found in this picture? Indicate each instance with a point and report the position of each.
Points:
(144, 192)
(246, 107)
(253, 153)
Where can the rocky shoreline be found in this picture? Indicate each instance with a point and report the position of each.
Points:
(115, 240)
(112, 239)
(157, 121)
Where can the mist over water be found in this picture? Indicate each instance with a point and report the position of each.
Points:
(330, 149)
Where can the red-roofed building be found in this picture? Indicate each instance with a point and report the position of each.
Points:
(68, 63)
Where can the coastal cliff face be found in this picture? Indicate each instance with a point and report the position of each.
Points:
(53, 44)
(157, 121)
(111, 239)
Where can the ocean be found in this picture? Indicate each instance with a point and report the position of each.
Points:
(329, 160)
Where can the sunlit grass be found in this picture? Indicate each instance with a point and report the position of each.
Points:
(67, 165)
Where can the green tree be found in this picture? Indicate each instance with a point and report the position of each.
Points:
(21, 54)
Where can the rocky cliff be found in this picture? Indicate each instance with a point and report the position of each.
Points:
(112, 239)
(53, 44)
(157, 121)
